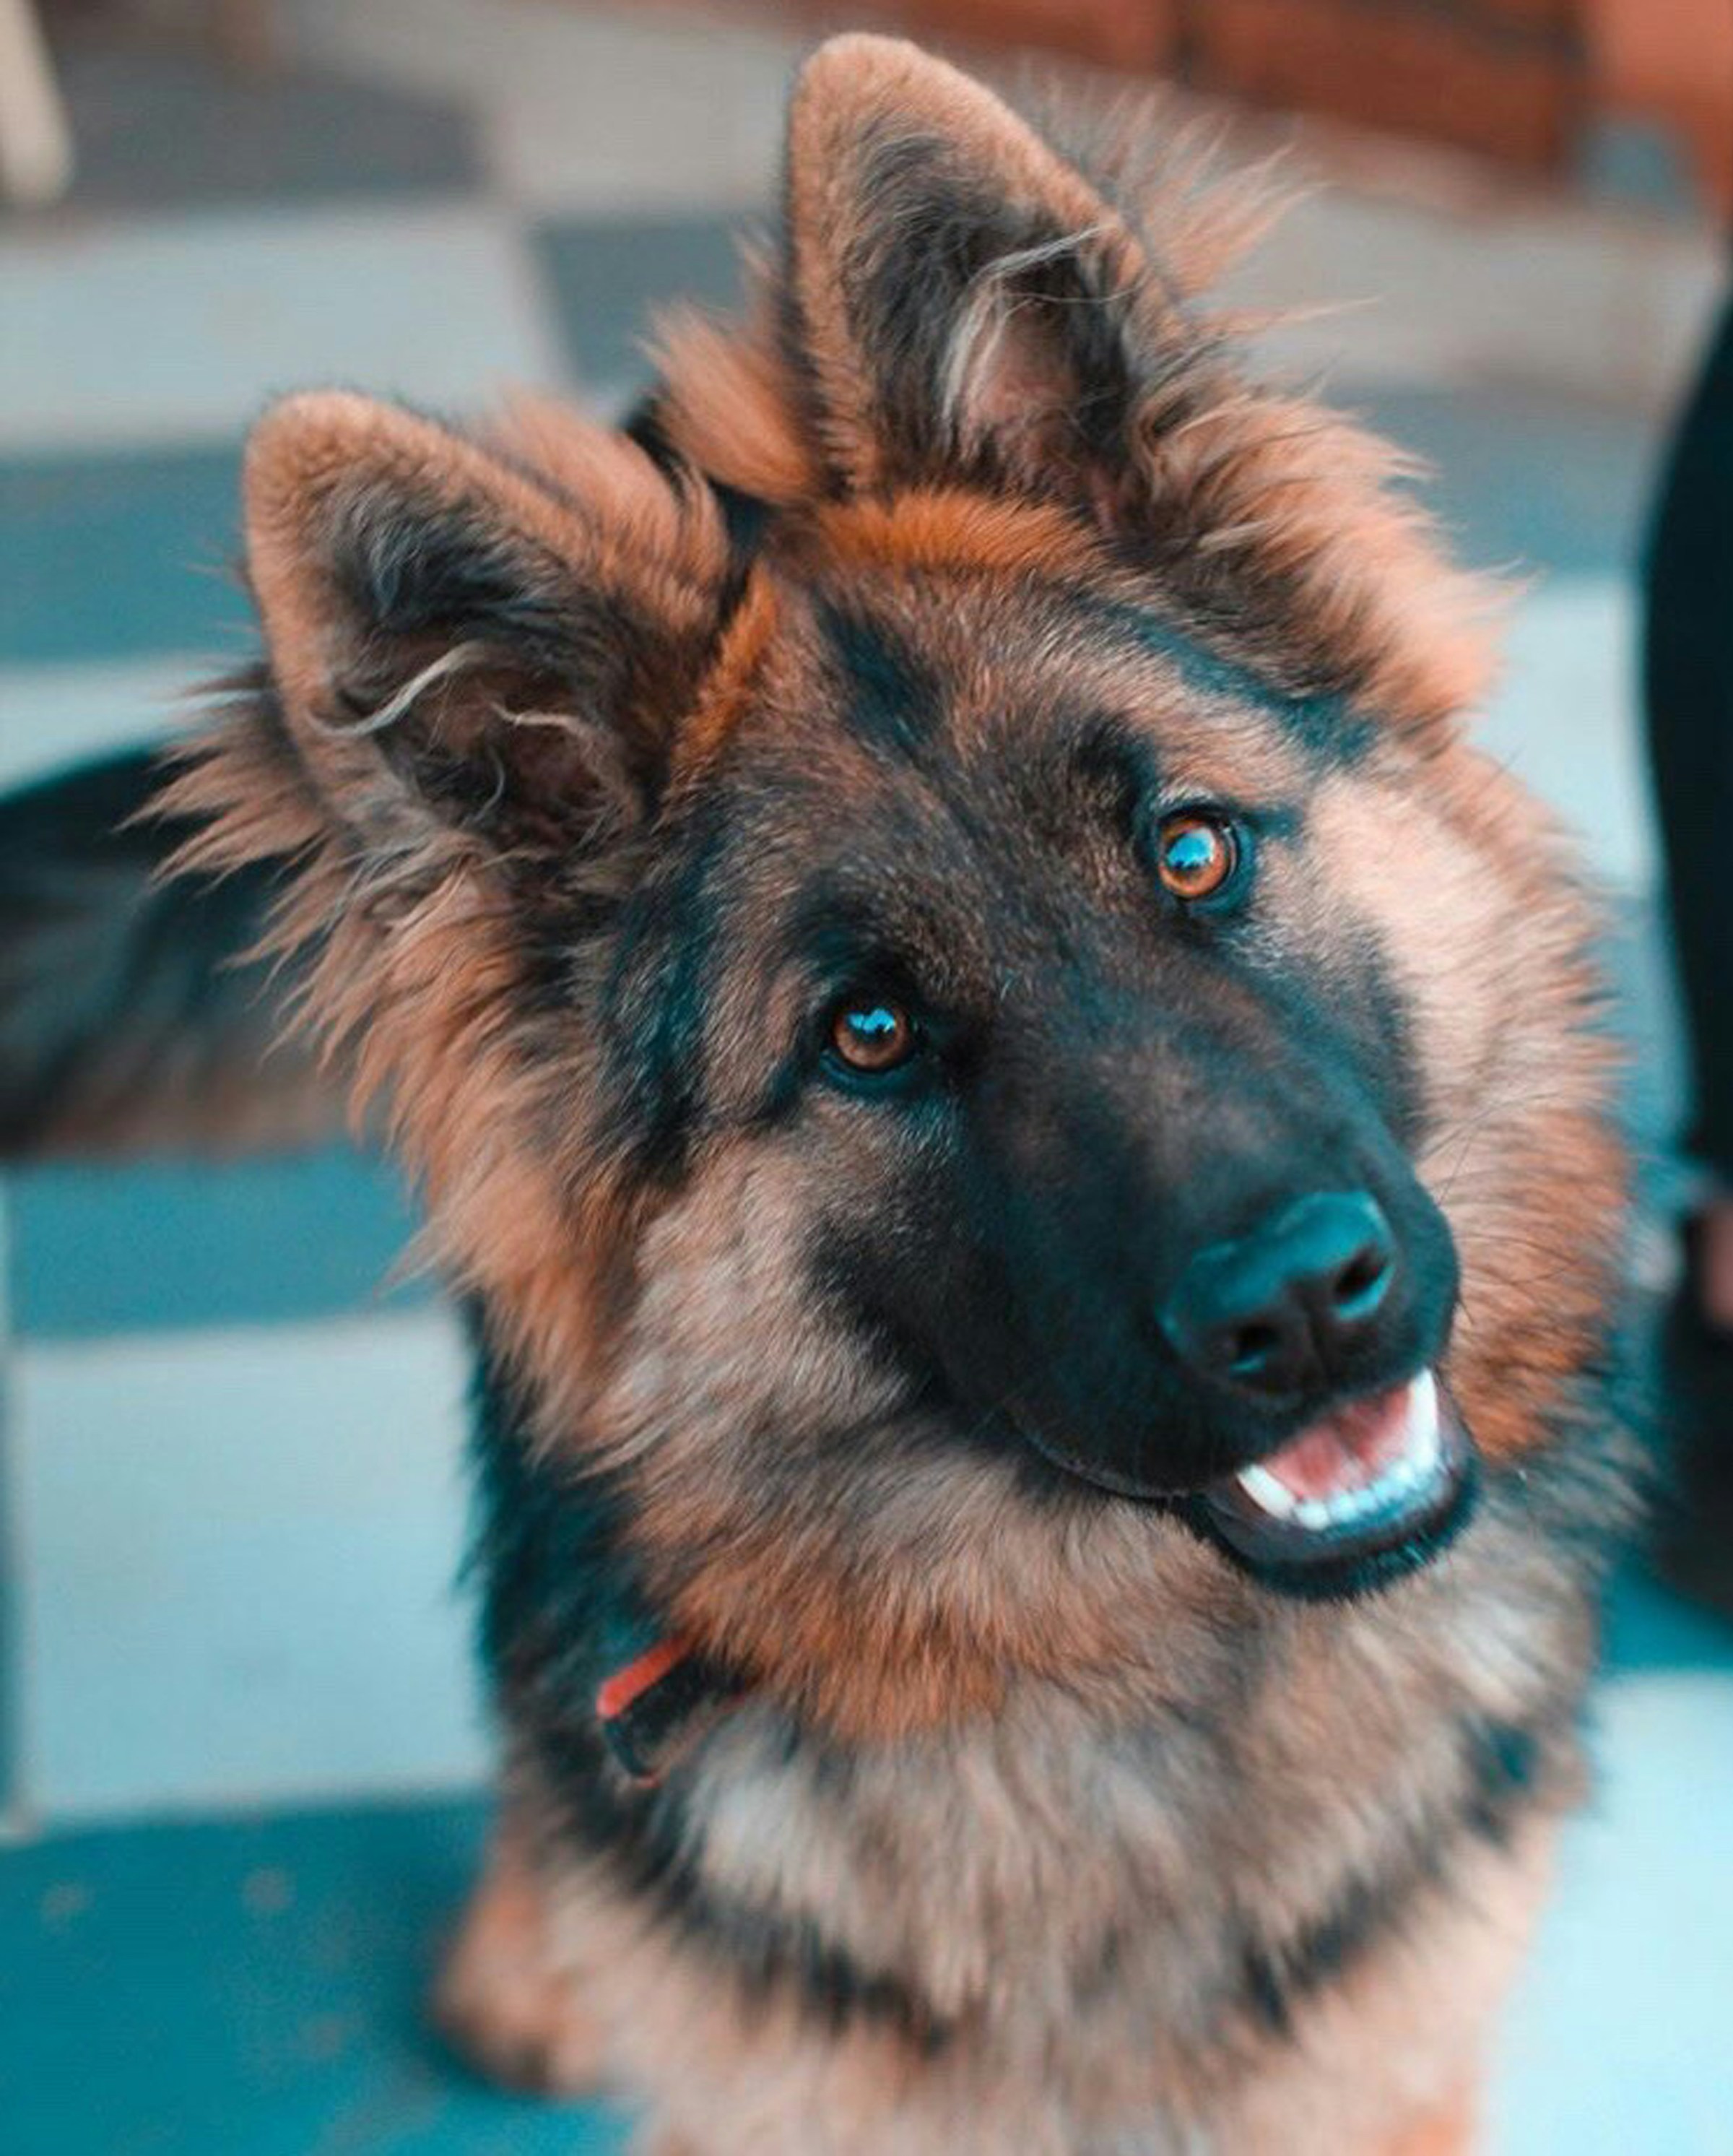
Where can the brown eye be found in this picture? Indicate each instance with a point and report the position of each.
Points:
(1194, 854)
(872, 1035)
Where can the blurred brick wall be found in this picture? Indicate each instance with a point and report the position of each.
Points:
(1516, 80)
(1503, 77)
(1671, 61)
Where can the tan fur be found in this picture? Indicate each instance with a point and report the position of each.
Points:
(1358, 2078)
(505, 1997)
(731, 406)
(1452, 2133)
(1533, 1200)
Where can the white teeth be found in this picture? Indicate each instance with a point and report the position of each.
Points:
(1414, 1468)
(1266, 1492)
(1423, 1438)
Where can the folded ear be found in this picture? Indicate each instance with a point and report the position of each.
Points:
(465, 653)
(965, 301)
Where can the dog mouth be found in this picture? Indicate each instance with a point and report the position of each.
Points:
(1368, 1492)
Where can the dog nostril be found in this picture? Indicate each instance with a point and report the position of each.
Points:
(1359, 1287)
(1252, 1348)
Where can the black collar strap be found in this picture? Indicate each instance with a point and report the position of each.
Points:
(653, 1708)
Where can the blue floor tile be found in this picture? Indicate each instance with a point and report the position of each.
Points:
(160, 128)
(134, 1247)
(1649, 1628)
(198, 1990)
(118, 554)
(605, 278)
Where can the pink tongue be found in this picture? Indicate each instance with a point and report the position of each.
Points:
(1346, 1451)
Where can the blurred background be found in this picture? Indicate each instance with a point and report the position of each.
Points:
(241, 1760)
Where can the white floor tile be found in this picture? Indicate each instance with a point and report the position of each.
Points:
(1565, 720)
(238, 1552)
(180, 329)
(1619, 2043)
(1385, 289)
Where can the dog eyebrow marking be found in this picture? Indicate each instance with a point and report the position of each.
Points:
(1322, 722)
(893, 696)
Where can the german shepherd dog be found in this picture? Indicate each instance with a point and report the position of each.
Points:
(1021, 1121)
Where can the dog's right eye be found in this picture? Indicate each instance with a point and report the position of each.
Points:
(1197, 854)
(869, 1036)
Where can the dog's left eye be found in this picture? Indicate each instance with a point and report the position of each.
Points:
(870, 1035)
(1195, 854)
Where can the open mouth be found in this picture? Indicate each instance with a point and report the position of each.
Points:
(1366, 1493)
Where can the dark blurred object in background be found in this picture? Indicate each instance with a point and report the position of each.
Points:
(1688, 682)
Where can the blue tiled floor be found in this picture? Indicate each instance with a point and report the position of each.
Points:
(197, 1990)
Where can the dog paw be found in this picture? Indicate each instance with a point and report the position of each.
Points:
(505, 2005)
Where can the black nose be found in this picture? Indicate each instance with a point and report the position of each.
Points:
(1280, 1309)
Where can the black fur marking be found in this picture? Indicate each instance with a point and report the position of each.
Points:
(1374, 1015)
(1278, 1982)
(409, 567)
(562, 1608)
(933, 235)
(645, 425)
(1506, 1765)
(558, 1607)
(1321, 720)
(771, 1956)
(892, 700)
(658, 1001)
(935, 1421)
(746, 519)
(1505, 1760)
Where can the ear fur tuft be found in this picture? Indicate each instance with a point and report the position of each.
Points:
(486, 636)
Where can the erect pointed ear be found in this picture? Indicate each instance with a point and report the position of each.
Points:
(480, 645)
(963, 301)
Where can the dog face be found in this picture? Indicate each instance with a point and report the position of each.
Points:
(930, 927)
(998, 913)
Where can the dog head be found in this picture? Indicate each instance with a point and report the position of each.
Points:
(929, 925)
